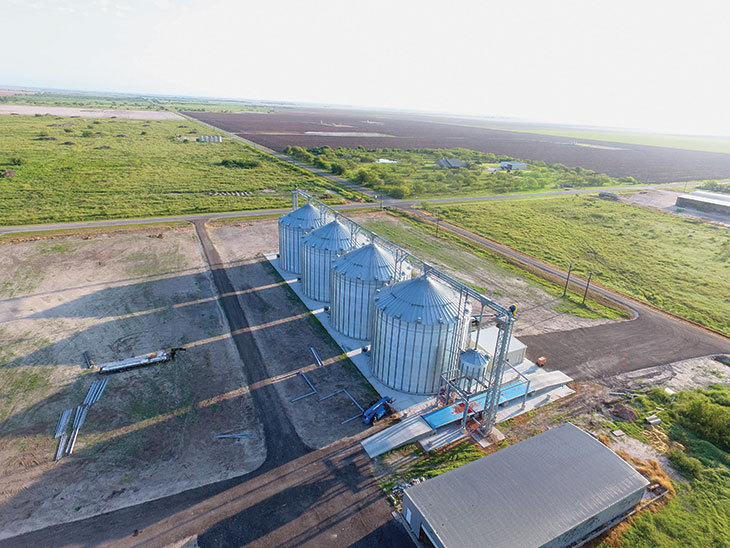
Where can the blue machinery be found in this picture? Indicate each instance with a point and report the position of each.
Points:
(479, 396)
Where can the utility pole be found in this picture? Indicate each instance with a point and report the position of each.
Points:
(587, 284)
(567, 280)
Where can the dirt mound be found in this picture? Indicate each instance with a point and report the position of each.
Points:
(625, 413)
(7, 174)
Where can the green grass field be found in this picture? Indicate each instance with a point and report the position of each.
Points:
(461, 255)
(417, 175)
(677, 264)
(118, 168)
(141, 102)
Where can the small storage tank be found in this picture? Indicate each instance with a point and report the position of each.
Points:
(419, 326)
(476, 366)
(355, 278)
(319, 248)
(292, 228)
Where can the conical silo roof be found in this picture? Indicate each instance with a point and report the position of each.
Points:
(369, 263)
(333, 236)
(422, 300)
(306, 217)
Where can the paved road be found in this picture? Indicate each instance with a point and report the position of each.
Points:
(590, 353)
(298, 497)
(254, 213)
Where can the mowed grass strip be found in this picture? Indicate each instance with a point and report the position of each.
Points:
(677, 264)
(117, 168)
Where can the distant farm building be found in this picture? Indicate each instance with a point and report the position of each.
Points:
(210, 139)
(510, 165)
(552, 490)
(385, 161)
(451, 163)
(709, 202)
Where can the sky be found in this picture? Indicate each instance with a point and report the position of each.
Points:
(658, 66)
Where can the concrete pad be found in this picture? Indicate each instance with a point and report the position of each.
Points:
(352, 347)
(443, 436)
(515, 408)
(406, 431)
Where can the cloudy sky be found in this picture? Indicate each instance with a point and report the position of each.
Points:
(644, 64)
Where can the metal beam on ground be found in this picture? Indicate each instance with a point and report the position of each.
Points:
(313, 391)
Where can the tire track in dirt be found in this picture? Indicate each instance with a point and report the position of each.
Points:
(298, 497)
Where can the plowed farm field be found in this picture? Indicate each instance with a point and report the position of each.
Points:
(312, 127)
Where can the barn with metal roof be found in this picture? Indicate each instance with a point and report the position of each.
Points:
(549, 491)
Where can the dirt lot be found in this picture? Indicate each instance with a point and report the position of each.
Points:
(152, 432)
(284, 331)
(30, 110)
(311, 127)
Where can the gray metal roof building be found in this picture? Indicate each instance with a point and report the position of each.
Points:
(548, 491)
(451, 163)
(710, 202)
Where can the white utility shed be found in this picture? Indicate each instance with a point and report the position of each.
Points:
(488, 341)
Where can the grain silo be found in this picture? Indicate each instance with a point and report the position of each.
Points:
(477, 367)
(356, 276)
(419, 327)
(292, 228)
(319, 248)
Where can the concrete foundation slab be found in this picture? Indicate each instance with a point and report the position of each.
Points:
(352, 347)
(406, 431)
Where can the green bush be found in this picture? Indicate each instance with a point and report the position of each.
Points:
(688, 466)
(242, 164)
(709, 420)
(17, 161)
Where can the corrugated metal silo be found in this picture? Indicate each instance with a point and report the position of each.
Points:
(292, 228)
(476, 366)
(319, 248)
(356, 276)
(419, 326)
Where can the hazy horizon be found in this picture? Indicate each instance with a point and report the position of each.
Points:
(648, 67)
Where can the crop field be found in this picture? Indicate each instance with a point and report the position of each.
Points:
(152, 432)
(310, 127)
(677, 264)
(685, 142)
(416, 174)
(73, 169)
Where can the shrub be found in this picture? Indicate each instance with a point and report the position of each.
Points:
(87, 133)
(17, 161)
(688, 466)
(242, 164)
(337, 169)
